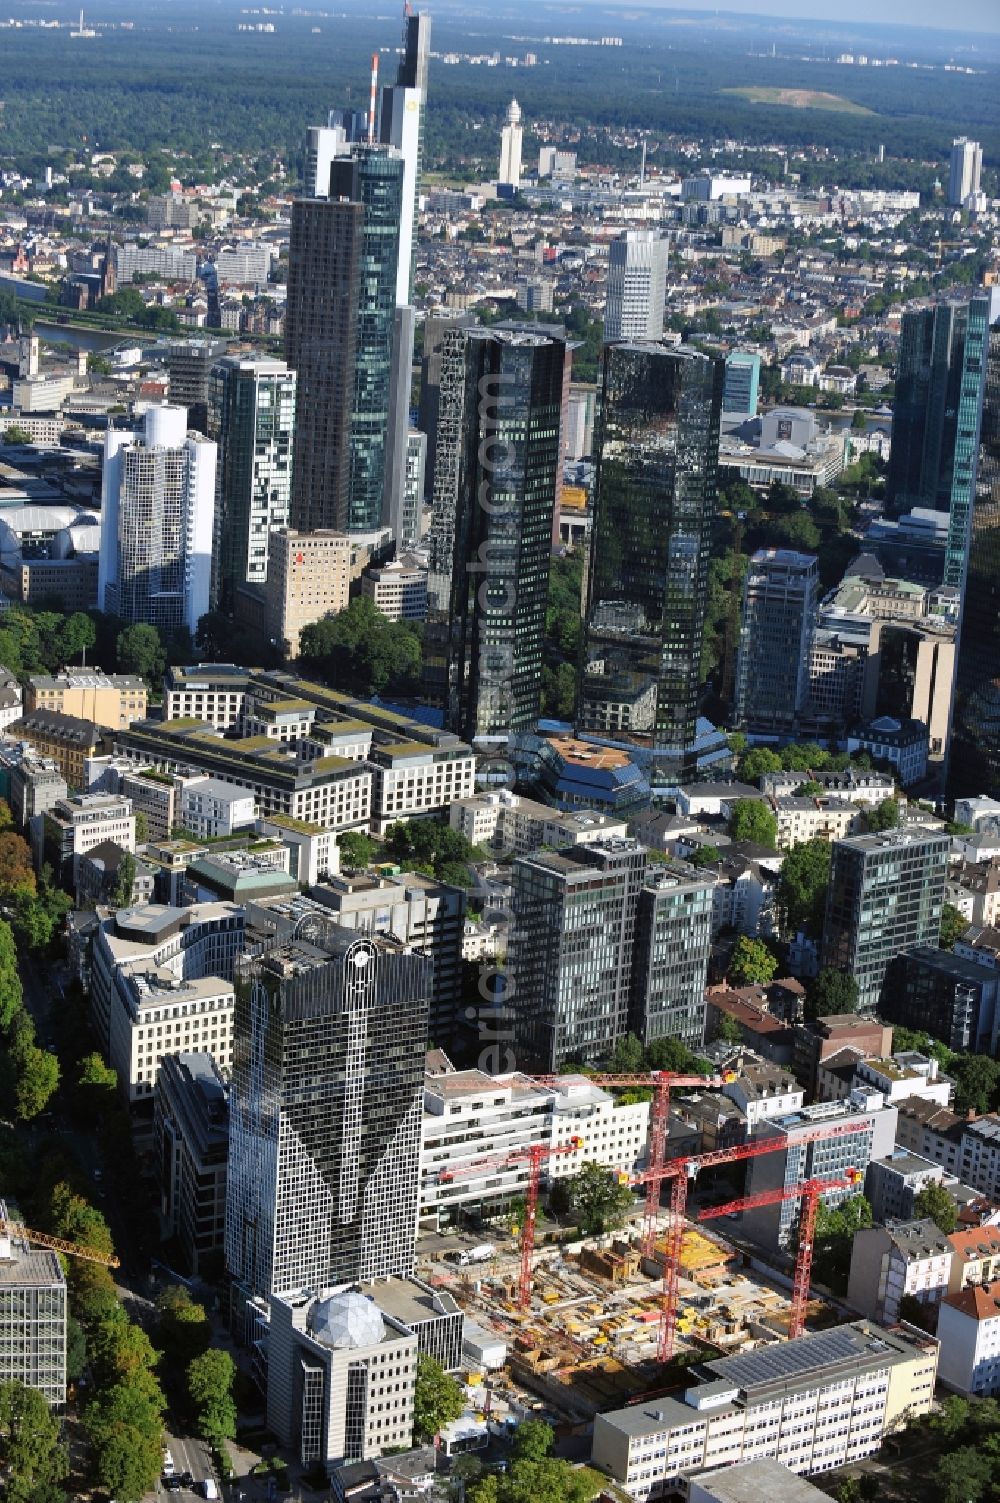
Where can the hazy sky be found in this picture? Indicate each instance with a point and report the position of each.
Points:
(968, 15)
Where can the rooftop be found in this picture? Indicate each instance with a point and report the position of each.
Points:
(978, 1301)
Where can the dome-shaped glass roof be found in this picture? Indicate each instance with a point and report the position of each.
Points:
(346, 1321)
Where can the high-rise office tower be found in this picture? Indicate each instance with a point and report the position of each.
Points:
(252, 420)
(974, 756)
(772, 667)
(401, 125)
(968, 423)
(321, 328)
(323, 143)
(655, 500)
(157, 523)
(637, 285)
(673, 941)
(398, 426)
(739, 395)
(325, 1111)
(434, 361)
(511, 141)
(886, 892)
(570, 954)
(492, 581)
(965, 171)
(189, 366)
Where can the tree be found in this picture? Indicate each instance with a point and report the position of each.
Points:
(210, 1394)
(6, 817)
(672, 1054)
(37, 1081)
(835, 1232)
(953, 926)
(598, 1201)
(183, 1330)
(362, 652)
(802, 885)
(437, 1399)
(356, 850)
(977, 1083)
(140, 651)
(11, 996)
(934, 1201)
(831, 992)
(705, 855)
(121, 895)
(533, 1439)
(16, 871)
(751, 963)
(727, 1030)
(752, 820)
(141, 827)
(757, 761)
(30, 1452)
(884, 817)
(626, 1057)
(14, 433)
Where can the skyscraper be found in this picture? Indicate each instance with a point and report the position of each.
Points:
(772, 668)
(886, 892)
(252, 420)
(570, 957)
(157, 515)
(965, 171)
(325, 1111)
(742, 383)
(490, 575)
(637, 285)
(669, 961)
(655, 500)
(189, 365)
(401, 125)
(321, 330)
(974, 757)
(511, 140)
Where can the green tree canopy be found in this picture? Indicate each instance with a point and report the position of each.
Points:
(356, 850)
(751, 963)
(30, 1453)
(831, 992)
(140, 651)
(533, 1439)
(752, 820)
(802, 885)
(11, 996)
(934, 1201)
(884, 817)
(437, 1399)
(209, 1381)
(124, 887)
(953, 926)
(598, 1201)
(757, 761)
(183, 1330)
(977, 1083)
(835, 1232)
(361, 651)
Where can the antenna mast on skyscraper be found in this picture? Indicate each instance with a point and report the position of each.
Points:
(374, 96)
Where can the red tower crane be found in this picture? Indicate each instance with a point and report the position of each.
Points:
(680, 1172)
(809, 1193)
(535, 1155)
(660, 1082)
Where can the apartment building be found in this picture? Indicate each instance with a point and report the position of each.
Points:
(32, 1314)
(63, 739)
(975, 1257)
(889, 1263)
(506, 821)
(762, 1092)
(470, 1116)
(801, 819)
(815, 1404)
(191, 1132)
(932, 1131)
(892, 1184)
(110, 700)
(969, 1333)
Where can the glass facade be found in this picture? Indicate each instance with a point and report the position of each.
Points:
(974, 760)
(657, 458)
(772, 673)
(325, 1111)
(670, 964)
(252, 419)
(501, 542)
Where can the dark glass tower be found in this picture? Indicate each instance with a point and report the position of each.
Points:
(657, 458)
(498, 553)
(329, 1040)
(321, 330)
(974, 760)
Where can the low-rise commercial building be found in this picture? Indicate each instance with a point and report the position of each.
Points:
(154, 796)
(76, 825)
(815, 1404)
(398, 590)
(411, 778)
(191, 1132)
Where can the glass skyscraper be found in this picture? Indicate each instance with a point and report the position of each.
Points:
(776, 628)
(329, 1038)
(493, 567)
(252, 420)
(657, 460)
(974, 758)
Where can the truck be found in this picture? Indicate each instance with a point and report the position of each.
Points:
(479, 1254)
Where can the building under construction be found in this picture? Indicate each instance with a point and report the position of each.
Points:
(32, 1314)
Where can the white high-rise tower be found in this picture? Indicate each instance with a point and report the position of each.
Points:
(966, 171)
(510, 148)
(637, 286)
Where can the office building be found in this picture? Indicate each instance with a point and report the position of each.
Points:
(507, 822)
(947, 996)
(191, 1134)
(172, 263)
(309, 577)
(32, 1314)
(637, 286)
(974, 758)
(511, 141)
(398, 590)
(157, 523)
(445, 360)
(34, 783)
(892, 1184)
(252, 420)
(189, 366)
(212, 809)
(573, 927)
(739, 395)
(651, 541)
(814, 1404)
(323, 143)
(776, 626)
(396, 501)
(969, 1332)
(111, 700)
(670, 959)
(495, 574)
(909, 674)
(324, 281)
(472, 1120)
(886, 893)
(401, 125)
(407, 519)
(809, 1153)
(73, 826)
(889, 1263)
(964, 172)
(325, 1111)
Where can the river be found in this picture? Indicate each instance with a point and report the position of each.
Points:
(80, 338)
